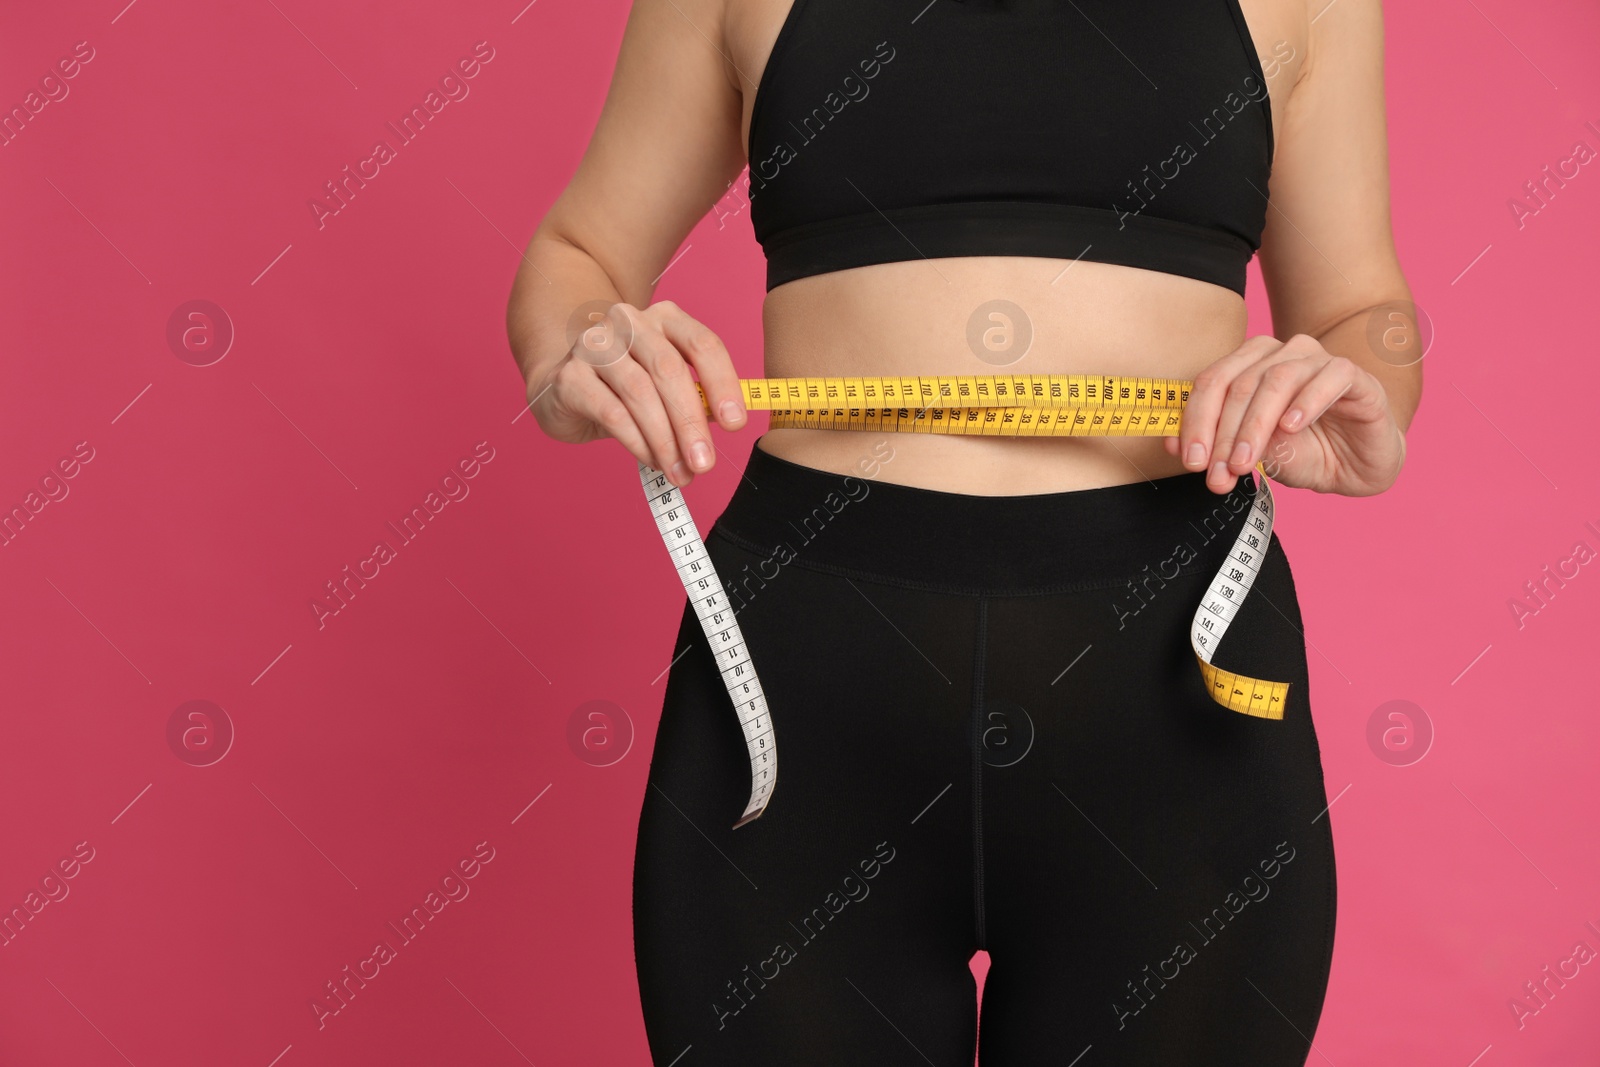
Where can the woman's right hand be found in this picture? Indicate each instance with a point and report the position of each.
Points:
(628, 376)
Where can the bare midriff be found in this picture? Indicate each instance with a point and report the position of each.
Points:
(940, 317)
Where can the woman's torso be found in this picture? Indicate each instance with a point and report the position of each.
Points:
(939, 316)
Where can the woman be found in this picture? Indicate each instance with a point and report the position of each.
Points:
(974, 649)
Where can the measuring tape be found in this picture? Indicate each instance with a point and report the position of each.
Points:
(1024, 405)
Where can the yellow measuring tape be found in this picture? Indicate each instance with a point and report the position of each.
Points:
(1024, 405)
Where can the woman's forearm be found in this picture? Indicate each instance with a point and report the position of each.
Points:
(1385, 342)
(554, 283)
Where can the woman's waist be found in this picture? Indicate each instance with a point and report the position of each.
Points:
(976, 465)
(861, 522)
(975, 316)
(1016, 315)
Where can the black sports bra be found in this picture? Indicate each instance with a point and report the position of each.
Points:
(1136, 132)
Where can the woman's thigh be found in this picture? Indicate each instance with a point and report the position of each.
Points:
(838, 926)
(1158, 870)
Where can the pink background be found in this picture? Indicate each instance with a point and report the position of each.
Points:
(374, 753)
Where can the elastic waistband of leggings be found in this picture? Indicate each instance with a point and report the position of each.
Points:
(981, 544)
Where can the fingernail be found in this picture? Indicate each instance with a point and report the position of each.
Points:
(1197, 454)
(1241, 453)
(729, 410)
(1291, 420)
(699, 456)
(1219, 472)
(678, 473)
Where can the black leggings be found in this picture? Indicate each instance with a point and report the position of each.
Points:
(992, 734)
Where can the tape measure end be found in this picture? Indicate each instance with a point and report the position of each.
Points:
(752, 817)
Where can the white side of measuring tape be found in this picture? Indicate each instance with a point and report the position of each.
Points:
(701, 583)
(1224, 598)
(711, 607)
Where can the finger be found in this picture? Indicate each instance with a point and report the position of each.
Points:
(1198, 429)
(712, 363)
(1334, 381)
(1220, 474)
(636, 388)
(674, 383)
(579, 394)
(1224, 470)
(548, 380)
(1278, 386)
(547, 401)
(1280, 456)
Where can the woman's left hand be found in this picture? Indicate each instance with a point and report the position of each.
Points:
(1319, 421)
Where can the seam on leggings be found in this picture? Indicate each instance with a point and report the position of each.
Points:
(979, 655)
(1333, 906)
(1078, 586)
